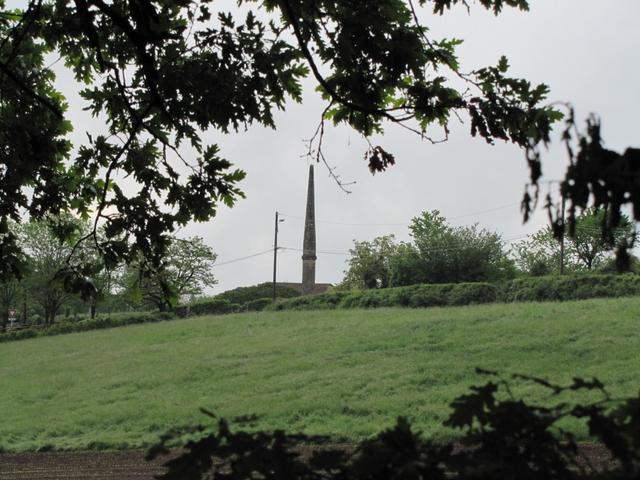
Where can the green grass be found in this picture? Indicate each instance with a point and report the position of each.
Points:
(347, 374)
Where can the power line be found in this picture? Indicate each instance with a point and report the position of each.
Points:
(345, 224)
(404, 224)
(325, 252)
(482, 212)
(235, 260)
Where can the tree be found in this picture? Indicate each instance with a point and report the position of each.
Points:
(161, 72)
(587, 243)
(406, 267)
(185, 270)
(539, 254)
(441, 253)
(49, 246)
(104, 281)
(585, 249)
(369, 264)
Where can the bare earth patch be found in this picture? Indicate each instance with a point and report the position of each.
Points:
(126, 465)
(131, 465)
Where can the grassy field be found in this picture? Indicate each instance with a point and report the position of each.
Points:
(347, 374)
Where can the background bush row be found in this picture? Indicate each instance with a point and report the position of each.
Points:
(532, 289)
(115, 320)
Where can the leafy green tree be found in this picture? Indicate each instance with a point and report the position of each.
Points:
(587, 244)
(405, 266)
(584, 250)
(185, 271)
(441, 253)
(49, 246)
(539, 254)
(161, 72)
(105, 282)
(369, 264)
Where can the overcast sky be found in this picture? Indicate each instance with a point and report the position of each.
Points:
(585, 50)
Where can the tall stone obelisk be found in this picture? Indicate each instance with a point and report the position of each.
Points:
(309, 245)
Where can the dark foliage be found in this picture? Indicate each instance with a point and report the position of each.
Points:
(550, 288)
(161, 72)
(502, 437)
(596, 178)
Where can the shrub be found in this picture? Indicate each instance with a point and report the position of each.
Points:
(429, 296)
(569, 287)
(351, 299)
(311, 302)
(243, 295)
(258, 304)
(470, 293)
(18, 335)
(213, 306)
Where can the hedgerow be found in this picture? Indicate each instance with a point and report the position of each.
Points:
(212, 306)
(98, 323)
(531, 289)
(257, 305)
(574, 287)
(244, 295)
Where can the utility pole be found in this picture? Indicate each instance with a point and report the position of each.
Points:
(564, 231)
(275, 253)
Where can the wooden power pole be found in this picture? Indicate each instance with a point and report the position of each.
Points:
(564, 232)
(275, 254)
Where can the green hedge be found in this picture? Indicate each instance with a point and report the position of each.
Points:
(244, 295)
(412, 296)
(213, 306)
(220, 306)
(574, 287)
(531, 289)
(258, 304)
(98, 323)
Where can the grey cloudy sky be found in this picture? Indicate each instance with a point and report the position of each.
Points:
(585, 50)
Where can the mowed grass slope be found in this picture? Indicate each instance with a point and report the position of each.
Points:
(347, 374)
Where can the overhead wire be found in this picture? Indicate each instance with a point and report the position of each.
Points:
(240, 259)
(403, 224)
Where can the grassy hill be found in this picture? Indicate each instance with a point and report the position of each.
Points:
(347, 374)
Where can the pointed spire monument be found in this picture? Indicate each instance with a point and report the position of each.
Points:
(309, 245)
